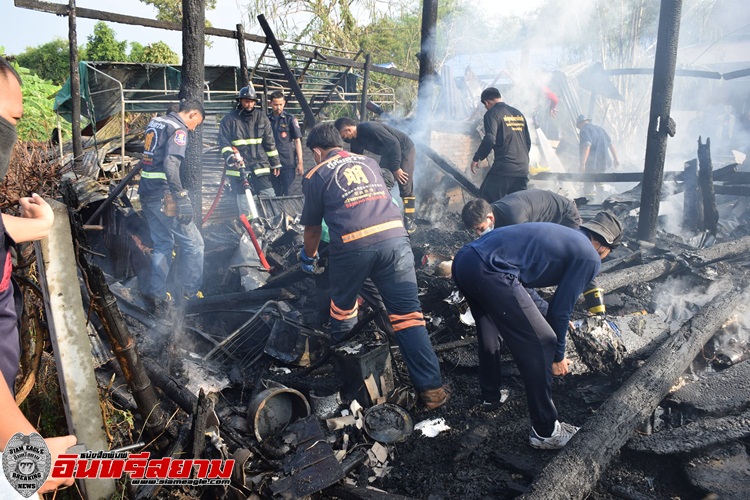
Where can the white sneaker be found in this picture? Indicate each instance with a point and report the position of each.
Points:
(559, 438)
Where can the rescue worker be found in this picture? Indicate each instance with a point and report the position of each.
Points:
(594, 150)
(34, 224)
(397, 154)
(367, 239)
(507, 134)
(248, 130)
(496, 273)
(167, 207)
(288, 138)
(529, 205)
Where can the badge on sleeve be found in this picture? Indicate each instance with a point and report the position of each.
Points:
(180, 138)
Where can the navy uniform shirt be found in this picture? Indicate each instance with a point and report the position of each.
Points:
(285, 130)
(165, 136)
(391, 144)
(349, 192)
(542, 254)
(507, 134)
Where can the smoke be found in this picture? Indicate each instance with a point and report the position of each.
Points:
(676, 300)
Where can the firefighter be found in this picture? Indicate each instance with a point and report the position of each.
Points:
(167, 207)
(507, 134)
(497, 273)
(248, 130)
(397, 154)
(367, 239)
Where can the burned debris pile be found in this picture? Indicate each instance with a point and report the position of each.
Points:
(249, 372)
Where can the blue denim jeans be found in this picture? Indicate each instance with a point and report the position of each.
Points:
(390, 265)
(165, 231)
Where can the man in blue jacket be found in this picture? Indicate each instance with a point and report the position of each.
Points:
(494, 272)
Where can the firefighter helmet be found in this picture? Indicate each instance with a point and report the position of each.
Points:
(247, 93)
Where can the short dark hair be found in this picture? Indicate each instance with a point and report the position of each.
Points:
(6, 69)
(325, 136)
(344, 121)
(278, 95)
(474, 212)
(490, 94)
(192, 105)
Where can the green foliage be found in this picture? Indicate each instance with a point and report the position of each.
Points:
(171, 10)
(50, 61)
(103, 46)
(39, 118)
(156, 53)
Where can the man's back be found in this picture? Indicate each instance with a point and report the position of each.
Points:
(535, 205)
(349, 191)
(596, 137)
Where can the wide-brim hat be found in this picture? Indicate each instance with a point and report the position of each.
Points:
(607, 226)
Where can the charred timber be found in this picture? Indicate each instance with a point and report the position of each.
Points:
(239, 300)
(706, 181)
(692, 214)
(125, 351)
(573, 473)
(661, 125)
(449, 168)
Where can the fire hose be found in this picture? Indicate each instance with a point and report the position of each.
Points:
(250, 231)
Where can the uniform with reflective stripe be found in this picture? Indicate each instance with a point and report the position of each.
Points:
(165, 136)
(362, 212)
(250, 132)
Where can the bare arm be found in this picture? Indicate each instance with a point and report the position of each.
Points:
(584, 157)
(34, 223)
(615, 160)
(298, 149)
(312, 236)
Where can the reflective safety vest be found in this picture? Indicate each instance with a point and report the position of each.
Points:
(250, 132)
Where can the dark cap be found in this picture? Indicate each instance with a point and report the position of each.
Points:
(607, 226)
(581, 119)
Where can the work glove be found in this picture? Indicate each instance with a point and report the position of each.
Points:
(184, 208)
(308, 264)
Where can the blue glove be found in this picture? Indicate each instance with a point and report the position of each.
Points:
(614, 327)
(184, 208)
(308, 264)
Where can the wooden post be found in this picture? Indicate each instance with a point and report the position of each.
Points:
(365, 84)
(75, 85)
(243, 55)
(692, 209)
(191, 87)
(706, 181)
(573, 473)
(660, 123)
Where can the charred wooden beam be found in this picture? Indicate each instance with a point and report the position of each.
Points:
(115, 193)
(243, 55)
(62, 10)
(575, 470)
(291, 80)
(75, 85)
(692, 213)
(706, 181)
(661, 123)
(449, 168)
(239, 300)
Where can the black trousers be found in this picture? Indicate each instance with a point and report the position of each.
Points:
(495, 186)
(504, 310)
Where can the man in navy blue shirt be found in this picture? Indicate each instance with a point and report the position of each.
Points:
(288, 138)
(496, 272)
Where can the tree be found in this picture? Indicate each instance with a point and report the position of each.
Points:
(155, 53)
(103, 46)
(171, 10)
(49, 61)
(38, 100)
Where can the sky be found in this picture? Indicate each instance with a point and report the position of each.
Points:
(21, 28)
